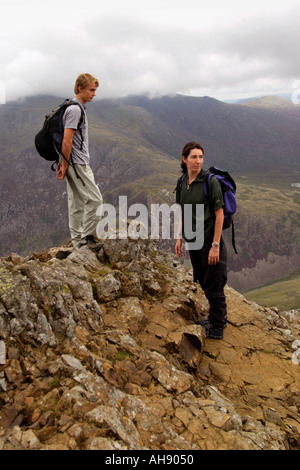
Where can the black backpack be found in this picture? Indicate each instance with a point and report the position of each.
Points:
(48, 140)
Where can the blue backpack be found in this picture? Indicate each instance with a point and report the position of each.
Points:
(228, 187)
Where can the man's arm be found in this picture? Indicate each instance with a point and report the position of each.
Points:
(66, 149)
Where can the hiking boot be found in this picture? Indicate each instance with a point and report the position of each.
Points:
(93, 243)
(214, 333)
(206, 324)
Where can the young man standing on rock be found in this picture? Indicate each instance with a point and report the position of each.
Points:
(84, 196)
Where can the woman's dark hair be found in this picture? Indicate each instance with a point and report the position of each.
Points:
(186, 151)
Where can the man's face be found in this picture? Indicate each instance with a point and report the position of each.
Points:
(87, 94)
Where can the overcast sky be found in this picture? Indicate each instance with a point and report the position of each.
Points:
(224, 49)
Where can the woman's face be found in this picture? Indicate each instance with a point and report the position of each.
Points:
(194, 161)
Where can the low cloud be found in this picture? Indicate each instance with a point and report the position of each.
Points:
(131, 56)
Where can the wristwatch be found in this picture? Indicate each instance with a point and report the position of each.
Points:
(216, 244)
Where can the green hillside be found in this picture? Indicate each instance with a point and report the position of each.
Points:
(285, 294)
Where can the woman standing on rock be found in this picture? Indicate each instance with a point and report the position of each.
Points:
(209, 260)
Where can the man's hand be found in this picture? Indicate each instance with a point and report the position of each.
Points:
(61, 171)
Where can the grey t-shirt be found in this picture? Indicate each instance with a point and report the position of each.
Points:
(71, 120)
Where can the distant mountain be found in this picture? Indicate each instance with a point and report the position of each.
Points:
(232, 135)
(135, 145)
(270, 102)
(286, 96)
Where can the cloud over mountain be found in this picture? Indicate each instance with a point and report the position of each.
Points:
(152, 51)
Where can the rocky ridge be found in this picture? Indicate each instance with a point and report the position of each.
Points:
(101, 352)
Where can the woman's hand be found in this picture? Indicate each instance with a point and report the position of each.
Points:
(178, 247)
(214, 255)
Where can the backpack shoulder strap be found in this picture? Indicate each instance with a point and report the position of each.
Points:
(81, 120)
(208, 176)
(68, 103)
(179, 184)
(82, 117)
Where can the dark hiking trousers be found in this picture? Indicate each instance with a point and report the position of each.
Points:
(212, 279)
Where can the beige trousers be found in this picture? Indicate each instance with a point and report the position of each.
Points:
(83, 202)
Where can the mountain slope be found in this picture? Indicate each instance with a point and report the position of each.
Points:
(135, 147)
(102, 352)
(234, 136)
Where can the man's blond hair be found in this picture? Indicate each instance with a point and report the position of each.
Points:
(83, 80)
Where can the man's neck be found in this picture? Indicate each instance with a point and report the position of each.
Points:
(82, 101)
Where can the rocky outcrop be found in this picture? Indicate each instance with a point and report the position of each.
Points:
(101, 351)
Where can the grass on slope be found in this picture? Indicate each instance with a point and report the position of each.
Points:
(268, 197)
(285, 294)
